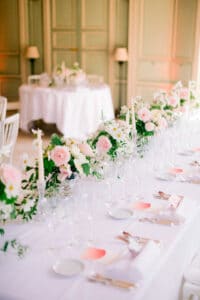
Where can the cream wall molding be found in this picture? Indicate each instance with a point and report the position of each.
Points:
(132, 49)
(23, 26)
(196, 61)
(47, 35)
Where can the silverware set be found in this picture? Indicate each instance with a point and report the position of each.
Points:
(126, 236)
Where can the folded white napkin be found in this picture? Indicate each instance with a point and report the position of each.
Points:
(137, 268)
(146, 258)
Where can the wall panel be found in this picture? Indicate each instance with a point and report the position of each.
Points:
(10, 73)
(155, 28)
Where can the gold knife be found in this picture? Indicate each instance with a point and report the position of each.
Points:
(160, 221)
(110, 281)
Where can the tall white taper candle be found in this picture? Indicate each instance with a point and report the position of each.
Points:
(40, 157)
(128, 117)
(133, 115)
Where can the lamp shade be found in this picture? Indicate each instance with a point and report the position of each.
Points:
(32, 52)
(121, 54)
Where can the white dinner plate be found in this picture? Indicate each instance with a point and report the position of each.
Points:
(165, 176)
(170, 177)
(120, 213)
(186, 153)
(68, 267)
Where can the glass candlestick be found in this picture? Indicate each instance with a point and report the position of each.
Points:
(41, 198)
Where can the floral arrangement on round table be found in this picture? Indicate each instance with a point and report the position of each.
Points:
(72, 76)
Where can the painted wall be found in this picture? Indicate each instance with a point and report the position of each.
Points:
(10, 71)
(164, 44)
(160, 35)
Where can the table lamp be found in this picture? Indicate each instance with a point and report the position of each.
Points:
(32, 54)
(121, 56)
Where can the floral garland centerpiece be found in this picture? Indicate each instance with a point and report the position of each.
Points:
(112, 140)
(63, 158)
(13, 204)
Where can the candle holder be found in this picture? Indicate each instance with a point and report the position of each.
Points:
(41, 198)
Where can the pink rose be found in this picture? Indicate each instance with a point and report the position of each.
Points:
(144, 114)
(10, 175)
(65, 172)
(149, 126)
(184, 93)
(86, 149)
(60, 155)
(162, 123)
(103, 144)
(173, 101)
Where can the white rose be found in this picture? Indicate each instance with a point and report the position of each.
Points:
(75, 151)
(78, 164)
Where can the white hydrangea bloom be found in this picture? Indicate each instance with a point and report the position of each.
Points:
(5, 210)
(75, 151)
(29, 204)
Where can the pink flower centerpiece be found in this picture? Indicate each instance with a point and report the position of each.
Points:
(65, 172)
(144, 114)
(60, 155)
(184, 93)
(86, 149)
(103, 145)
(149, 126)
(173, 101)
(11, 179)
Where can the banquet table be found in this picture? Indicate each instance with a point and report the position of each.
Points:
(77, 111)
(33, 277)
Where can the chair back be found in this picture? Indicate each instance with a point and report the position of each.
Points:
(10, 133)
(34, 80)
(3, 107)
(95, 79)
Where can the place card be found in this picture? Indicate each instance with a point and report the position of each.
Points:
(176, 171)
(93, 253)
(141, 205)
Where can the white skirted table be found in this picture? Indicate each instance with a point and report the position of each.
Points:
(76, 111)
(161, 273)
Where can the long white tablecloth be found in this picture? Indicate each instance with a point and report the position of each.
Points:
(77, 111)
(33, 278)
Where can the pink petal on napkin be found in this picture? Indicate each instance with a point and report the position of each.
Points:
(141, 205)
(93, 253)
(175, 170)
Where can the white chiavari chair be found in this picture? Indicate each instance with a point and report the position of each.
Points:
(3, 108)
(10, 133)
(191, 286)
